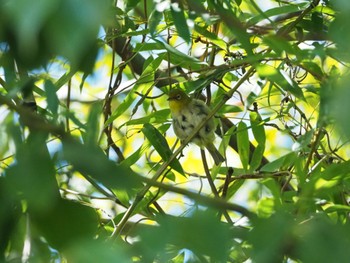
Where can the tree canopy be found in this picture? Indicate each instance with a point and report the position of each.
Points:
(91, 170)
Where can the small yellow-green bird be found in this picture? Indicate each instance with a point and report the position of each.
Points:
(187, 113)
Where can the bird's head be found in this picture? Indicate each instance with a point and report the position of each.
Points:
(178, 99)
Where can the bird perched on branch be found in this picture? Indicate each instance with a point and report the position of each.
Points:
(188, 113)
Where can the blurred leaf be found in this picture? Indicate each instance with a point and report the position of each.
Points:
(52, 22)
(52, 99)
(180, 23)
(265, 207)
(243, 144)
(92, 251)
(320, 240)
(10, 210)
(161, 146)
(195, 233)
(277, 236)
(89, 160)
(338, 105)
(34, 173)
(337, 208)
(65, 222)
(280, 45)
(336, 170)
(92, 133)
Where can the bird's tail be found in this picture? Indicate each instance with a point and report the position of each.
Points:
(218, 158)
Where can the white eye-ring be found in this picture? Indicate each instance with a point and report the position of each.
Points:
(178, 97)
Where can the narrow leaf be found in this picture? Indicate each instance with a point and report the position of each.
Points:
(52, 99)
(160, 145)
(243, 144)
(180, 23)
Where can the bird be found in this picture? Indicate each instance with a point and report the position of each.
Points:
(187, 113)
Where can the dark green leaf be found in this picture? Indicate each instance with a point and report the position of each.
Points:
(243, 144)
(34, 173)
(65, 222)
(154, 21)
(257, 157)
(180, 22)
(161, 146)
(93, 125)
(195, 233)
(52, 99)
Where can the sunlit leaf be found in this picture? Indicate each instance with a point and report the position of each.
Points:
(159, 116)
(280, 163)
(275, 76)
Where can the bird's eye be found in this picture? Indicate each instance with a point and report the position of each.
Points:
(178, 97)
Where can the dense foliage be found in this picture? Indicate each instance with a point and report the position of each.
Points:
(91, 170)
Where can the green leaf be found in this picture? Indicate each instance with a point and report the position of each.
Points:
(130, 4)
(195, 233)
(122, 108)
(52, 99)
(65, 222)
(281, 163)
(145, 82)
(258, 127)
(211, 36)
(243, 144)
(280, 10)
(180, 23)
(259, 134)
(135, 156)
(161, 146)
(233, 24)
(33, 173)
(92, 133)
(153, 22)
(337, 208)
(180, 59)
(275, 76)
(90, 160)
(257, 157)
(159, 116)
